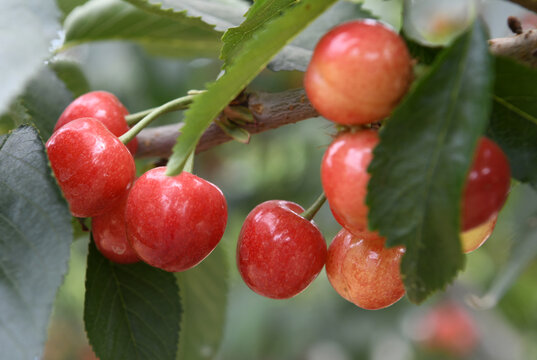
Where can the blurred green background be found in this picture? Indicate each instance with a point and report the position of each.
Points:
(284, 164)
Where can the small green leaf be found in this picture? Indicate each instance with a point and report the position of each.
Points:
(41, 104)
(259, 14)
(204, 294)
(235, 132)
(72, 76)
(222, 14)
(254, 56)
(28, 27)
(420, 165)
(35, 235)
(513, 123)
(177, 35)
(130, 311)
(66, 6)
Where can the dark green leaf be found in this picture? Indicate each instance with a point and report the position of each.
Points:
(72, 76)
(42, 102)
(66, 6)
(513, 123)
(130, 311)
(222, 14)
(254, 56)
(35, 235)
(420, 166)
(177, 35)
(28, 27)
(204, 293)
(423, 54)
(296, 56)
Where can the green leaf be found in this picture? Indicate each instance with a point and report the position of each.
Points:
(255, 54)
(296, 56)
(513, 123)
(130, 311)
(204, 294)
(72, 76)
(28, 27)
(177, 35)
(66, 6)
(259, 14)
(35, 235)
(223, 14)
(41, 103)
(389, 11)
(420, 165)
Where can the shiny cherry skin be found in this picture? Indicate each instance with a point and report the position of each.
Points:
(344, 177)
(110, 234)
(472, 239)
(449, 328)
(103, 106)
(358, 73)
(279, 252)
(93, 168)
(363, 271)
(487, 185)
(174, 222)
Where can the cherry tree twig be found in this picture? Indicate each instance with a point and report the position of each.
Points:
(271, 111)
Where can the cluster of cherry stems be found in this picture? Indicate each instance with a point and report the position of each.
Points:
(359, 72)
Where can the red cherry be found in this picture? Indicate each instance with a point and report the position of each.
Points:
(93, 168)
(449, 328)
(487, 185)
(103, 106)
(475, 237)
(344, 177)
(174, 222)
(279, 252)
(363, 271)
(110, 234)
(358, 73)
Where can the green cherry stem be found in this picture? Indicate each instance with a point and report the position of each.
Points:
(152, 114)
(189, 165)
(312, 210)
(174, 105)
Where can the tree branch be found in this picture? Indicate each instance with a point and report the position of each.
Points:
(528, 4)
(271, 111)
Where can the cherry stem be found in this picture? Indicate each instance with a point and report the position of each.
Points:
(152, 114)
(314, 208)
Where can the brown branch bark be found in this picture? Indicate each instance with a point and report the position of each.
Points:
(270, 112)
(274, 110)
(528, 4)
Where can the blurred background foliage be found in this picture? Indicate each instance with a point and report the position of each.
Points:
(284, 164)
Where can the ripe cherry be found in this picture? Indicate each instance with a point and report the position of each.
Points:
(363, 271)
(93, 168)
(110, 234)
(344, 177)
(102, 106)
(487, 185)
(474, 238)
(279, 252)
(449, 328)
(174, 222)
(358, 73)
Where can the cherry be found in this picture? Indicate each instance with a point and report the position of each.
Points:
(358, 73)
(487, 185)
(103, 106)
(93, 168)
(474, 238)
(449, 328)
(110, 234)
(174, 222)
(279, 252)
(344, 177)
(363, 271)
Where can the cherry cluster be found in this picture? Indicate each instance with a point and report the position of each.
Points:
(170, 222)
(359, 72)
